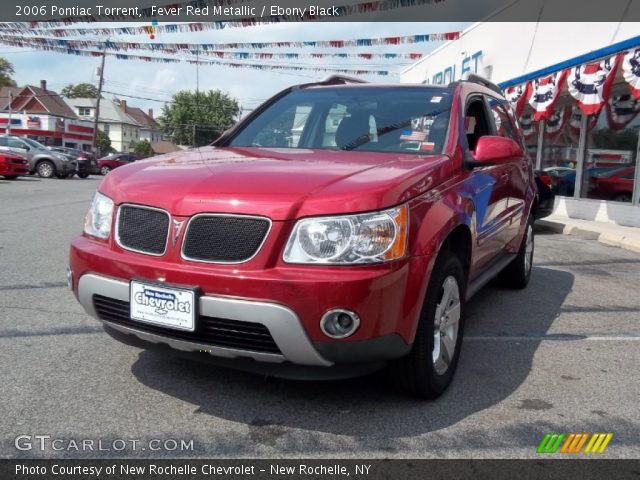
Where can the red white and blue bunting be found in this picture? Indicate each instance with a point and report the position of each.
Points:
(631, 71)
(621, 110)
(518, 95)
(556, 121)
(528, 125)
(544, 94)
(590, 84)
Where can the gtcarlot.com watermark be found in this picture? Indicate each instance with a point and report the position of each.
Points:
(48, 443)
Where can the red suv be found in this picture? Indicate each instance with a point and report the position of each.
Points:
(340, 227)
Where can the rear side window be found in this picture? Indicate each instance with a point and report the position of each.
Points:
(502, 121)
(15, 143)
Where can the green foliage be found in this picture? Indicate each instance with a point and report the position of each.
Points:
(103, 143)
(81, 90)
(198, 118)
(6, 70)
(143, 148)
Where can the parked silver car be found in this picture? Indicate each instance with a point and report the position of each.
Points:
(42, 161)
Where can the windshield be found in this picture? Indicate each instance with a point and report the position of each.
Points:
(34, 144)
(373, 119)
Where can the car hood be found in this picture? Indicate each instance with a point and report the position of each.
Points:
(279, 183)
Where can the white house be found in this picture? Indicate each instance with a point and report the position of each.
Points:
(122, 128)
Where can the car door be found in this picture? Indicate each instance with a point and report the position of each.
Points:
(515, 172)
(490, 186)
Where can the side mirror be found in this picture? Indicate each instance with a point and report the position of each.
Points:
(494, 149)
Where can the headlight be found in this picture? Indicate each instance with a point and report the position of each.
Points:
(97, 222)
(349, 239)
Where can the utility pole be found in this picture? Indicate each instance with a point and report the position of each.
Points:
(10, 107)
(100, 81)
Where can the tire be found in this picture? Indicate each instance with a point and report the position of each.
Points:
(104, 170)
(428, 369)
(516, 275)
(622, 197)
(83, 175)
(46, 169)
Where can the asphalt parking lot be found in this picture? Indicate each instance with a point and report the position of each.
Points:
(560, 356)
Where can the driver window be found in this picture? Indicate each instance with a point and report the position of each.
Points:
(475, 122)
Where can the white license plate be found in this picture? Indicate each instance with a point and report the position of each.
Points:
(164, 306)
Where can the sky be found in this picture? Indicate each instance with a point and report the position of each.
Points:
(156, 82)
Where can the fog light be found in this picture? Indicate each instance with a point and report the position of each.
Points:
(69, 278)
(339, 323)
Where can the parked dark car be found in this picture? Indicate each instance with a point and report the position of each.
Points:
(546, 197)
(115, 160)
(85, 162)
(13, 166)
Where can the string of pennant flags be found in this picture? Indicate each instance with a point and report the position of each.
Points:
(167, 47)
(217, 49)
(342, 11)
(158, 59)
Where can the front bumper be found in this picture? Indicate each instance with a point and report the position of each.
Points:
(84, 166)
(283, 324)
(288, 300)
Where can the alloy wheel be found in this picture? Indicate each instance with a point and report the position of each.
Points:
(446, 323)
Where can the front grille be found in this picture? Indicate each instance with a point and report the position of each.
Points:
(143, 229)
(224, 239)
(219, 332)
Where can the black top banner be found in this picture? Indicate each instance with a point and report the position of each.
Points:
(254, 12)
(318, 469)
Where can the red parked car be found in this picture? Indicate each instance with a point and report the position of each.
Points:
(13, 166)
(315, 238)
(615, 184)
(114, 160)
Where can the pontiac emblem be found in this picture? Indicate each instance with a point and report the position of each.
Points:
(177, 228)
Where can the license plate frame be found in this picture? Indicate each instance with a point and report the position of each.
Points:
(155, 311)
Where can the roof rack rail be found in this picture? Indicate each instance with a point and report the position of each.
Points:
(473, 78)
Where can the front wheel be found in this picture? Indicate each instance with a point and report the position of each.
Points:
(83, 175)
(104, 170)
(46, 169)
(518, 272)
(428, 369)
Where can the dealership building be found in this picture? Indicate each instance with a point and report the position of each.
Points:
(575, 88)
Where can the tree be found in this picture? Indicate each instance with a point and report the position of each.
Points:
(143, 148)
(103, 143)
(198, 118)
(81, 90)
(6, 70)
